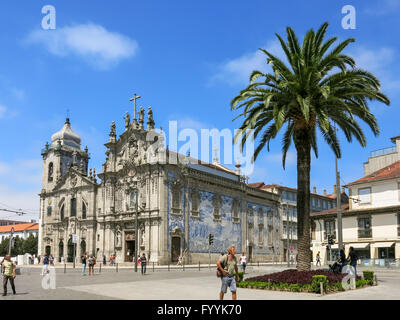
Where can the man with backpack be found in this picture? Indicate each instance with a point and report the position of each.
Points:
(227, 265)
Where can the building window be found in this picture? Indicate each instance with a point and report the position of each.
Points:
(195, 201)
(364, 195)
(176, 199)
(83, 210)
(73, 207)
(270, 235)
(364, 227)
(398, 224)
(235, 211)
(313, 230)
(216, 202)
(49, 211)
(260, 233)
(132, 200)
(62, 213)
(329, 229)
(50, 172)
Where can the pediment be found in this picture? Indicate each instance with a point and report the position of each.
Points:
(73, 179)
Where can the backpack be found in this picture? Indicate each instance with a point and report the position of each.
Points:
(219, 273)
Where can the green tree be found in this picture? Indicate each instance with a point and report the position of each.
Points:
(31, 245)
(314, 91)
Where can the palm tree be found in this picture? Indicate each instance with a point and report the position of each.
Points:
(315, 92)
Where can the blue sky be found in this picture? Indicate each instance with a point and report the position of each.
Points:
(186, 59)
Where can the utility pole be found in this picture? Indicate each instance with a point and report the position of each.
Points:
(11, 239)
(136, 226)
(339, 207)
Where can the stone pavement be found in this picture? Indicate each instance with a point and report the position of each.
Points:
(190, 284)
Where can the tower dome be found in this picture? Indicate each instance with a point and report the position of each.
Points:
(66, 136)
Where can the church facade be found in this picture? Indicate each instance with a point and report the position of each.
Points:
(149, 199)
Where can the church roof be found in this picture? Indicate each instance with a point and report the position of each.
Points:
(67, 136)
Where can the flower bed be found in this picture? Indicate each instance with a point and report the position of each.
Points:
(301, 281)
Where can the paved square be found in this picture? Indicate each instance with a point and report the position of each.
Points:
(190, 284)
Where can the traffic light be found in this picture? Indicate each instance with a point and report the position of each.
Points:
(330, 240)
(210, 239)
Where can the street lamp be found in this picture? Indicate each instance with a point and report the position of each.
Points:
(136, 194)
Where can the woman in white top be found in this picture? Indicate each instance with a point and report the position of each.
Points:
(243, 261)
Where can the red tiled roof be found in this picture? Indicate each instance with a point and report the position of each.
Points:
(19, 227)
(257, 185)
(391, 171)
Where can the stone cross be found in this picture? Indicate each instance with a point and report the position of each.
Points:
(134, 98)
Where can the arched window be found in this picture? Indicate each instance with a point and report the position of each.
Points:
(62, 213)
(73, 207)
(83, 210)
(50, 172)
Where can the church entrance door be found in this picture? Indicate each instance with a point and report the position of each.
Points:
(70, 257)
(175, 248)
(130, 247)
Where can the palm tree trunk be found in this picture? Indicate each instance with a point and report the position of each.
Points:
(303, 148)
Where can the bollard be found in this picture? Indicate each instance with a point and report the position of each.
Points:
(321, 286)
(100, 268)
(153, 266)
(199, 265)
(117, 267)
(376, 280)
(183, 266)
(168, 265)
(65, 268)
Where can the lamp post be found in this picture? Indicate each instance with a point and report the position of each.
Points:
(11, 239)
(287, 234)
(136, 228)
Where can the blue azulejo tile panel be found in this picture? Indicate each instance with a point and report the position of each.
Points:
(225, 232)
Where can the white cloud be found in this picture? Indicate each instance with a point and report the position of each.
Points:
(96, 45)
(380, 62)
(15, 199)
(3, 110)
(238, 70)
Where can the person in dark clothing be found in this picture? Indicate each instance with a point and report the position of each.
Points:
(143, 262)
(104, 260)
(352, 258)
(342, 259)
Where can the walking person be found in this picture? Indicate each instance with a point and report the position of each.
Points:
(10, 270)
(342, 259)
(227, 265)
(138, 261)
(243, 262)
(318, 257)
(51, 259)
(92, 262)
(352, 258)
(143, 262)
(45, 269)
(111, 260)
(179, 261)
(83, 259)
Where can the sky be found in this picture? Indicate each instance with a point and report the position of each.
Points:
(186, 59)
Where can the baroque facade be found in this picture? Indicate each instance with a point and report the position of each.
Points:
(180, 201)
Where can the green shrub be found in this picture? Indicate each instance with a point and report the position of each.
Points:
(368, 275)
(294, 287)
(316, 283)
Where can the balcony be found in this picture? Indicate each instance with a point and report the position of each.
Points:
(364, 233)
(382, 152)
